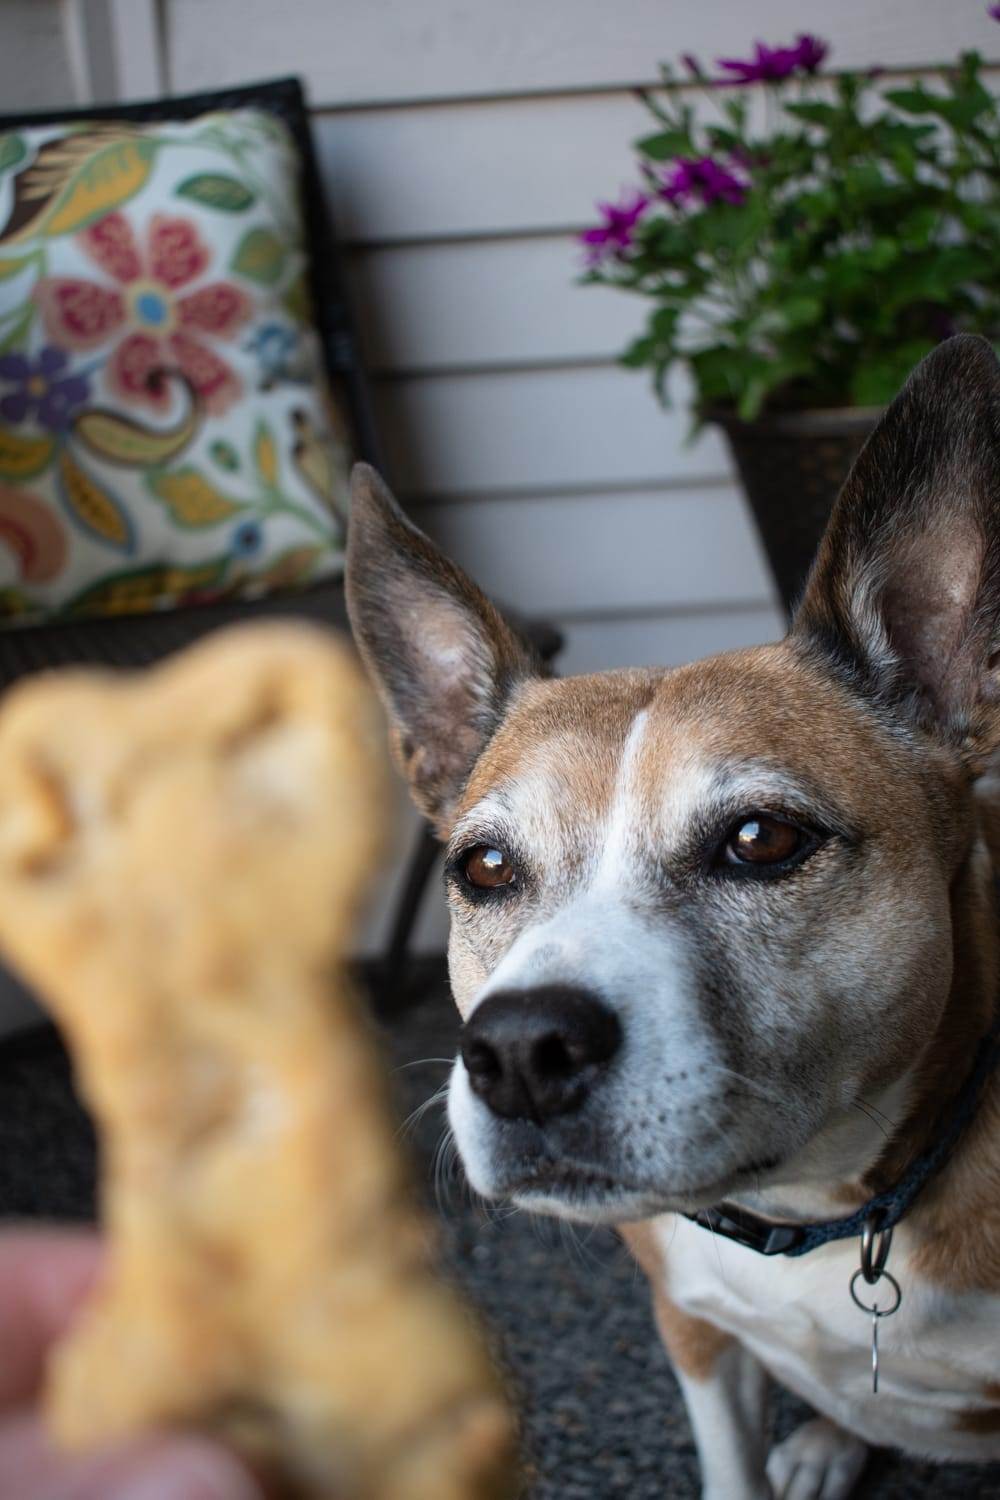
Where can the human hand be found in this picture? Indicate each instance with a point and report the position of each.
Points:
(45, 1276)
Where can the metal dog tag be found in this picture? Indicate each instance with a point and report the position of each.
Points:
(877, 1313)
(874, 1254)
(875, 1318)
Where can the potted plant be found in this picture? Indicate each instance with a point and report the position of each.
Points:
(802, 247)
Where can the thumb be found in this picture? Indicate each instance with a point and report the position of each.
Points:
(181, 1467)
(174, 1466)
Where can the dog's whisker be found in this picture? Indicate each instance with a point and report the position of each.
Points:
(863, 1109)
(760, 1090)
(880, 1112)
(422, 1062)
(539, 1225)
(445, 1157)
(718, 1253)
(492, 1211)
(570, 1237)
(508, 1212)
(413, 1119)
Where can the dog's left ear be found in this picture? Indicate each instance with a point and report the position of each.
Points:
(444, 660)
(904, 594)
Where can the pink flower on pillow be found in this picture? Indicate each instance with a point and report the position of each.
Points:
(151, 315)
(33, 533)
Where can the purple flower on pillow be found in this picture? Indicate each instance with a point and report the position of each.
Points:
(993, 11)
(618, 229)
(41, 390)
(772, 64)
(702, 179)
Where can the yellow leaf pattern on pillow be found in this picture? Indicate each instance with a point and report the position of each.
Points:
(21, 455)
(192, 499)
(95, 509)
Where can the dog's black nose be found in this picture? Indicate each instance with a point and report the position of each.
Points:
(533, 1054)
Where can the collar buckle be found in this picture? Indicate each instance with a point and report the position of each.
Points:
(749, 1230)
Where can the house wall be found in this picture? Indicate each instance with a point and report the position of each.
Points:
(464, 143)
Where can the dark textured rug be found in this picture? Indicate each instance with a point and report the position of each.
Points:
(602, 1414)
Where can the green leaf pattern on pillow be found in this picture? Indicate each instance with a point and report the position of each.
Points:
(166, 434)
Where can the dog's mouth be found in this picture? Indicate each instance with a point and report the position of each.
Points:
(571, 1177)
(580, 1183)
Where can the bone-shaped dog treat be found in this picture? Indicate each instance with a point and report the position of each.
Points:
(182, 854)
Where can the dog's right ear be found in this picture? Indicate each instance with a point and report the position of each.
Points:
(443, 659)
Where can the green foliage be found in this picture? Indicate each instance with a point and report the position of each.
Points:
(12, 151)
(217, 190)
(868, 229)
(261, 256)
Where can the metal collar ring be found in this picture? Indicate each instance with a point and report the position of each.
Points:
(875, 1245)
(879, 1312)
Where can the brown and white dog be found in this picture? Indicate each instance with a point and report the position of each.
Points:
(729, 932)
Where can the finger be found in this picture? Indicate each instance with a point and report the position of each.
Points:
(45, 1274)
(175, 1467)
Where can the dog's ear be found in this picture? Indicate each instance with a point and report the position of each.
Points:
(443, 659)
(905, 591)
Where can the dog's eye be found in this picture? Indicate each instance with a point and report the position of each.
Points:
(487, 867)
(763, 840)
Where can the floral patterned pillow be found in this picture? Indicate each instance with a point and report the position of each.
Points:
(166, 435)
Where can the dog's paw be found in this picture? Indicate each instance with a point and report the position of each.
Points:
(820, 1461)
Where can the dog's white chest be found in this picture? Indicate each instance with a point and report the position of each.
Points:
(938, 1353)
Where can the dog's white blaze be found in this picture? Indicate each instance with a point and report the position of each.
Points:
(597, 939)
(622, 819)
(641, 817)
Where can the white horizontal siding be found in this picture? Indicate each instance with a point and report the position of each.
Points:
(374, 50)
(686, 547)
(537, 429)
(36, 65)
(442, 306)
(481, 168)
(671, 640)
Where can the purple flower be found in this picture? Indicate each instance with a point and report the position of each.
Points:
(993, 11)
(811, 52)
(41, 391)
(772, 64)
(768, 65)
(617, 231)
(702, 179)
